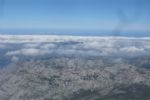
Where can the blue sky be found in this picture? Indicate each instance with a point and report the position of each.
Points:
(75, 15)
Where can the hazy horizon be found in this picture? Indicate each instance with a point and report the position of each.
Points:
(88, 17)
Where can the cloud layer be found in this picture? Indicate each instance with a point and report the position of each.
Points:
(34, 46)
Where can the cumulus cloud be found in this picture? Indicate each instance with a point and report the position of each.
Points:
(86, 45)
(99, 45)
(55, 38)
(11, 53)
(28, 52)
(132, 49)
(92, 45)
(33, 52)
(31, 45)
(48, 46)
(14, 59)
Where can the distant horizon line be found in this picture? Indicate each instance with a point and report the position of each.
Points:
(102, 33)
(65, 35)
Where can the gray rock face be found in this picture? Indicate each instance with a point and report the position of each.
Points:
(40, 80)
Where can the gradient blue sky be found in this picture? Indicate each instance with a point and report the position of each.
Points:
(75, 14)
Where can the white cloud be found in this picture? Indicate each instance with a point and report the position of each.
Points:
(48, 46)
(55, 38)
(32, 52)
(28, 52)
(132, 49)
(99, 44)
(11, 53)
(31, 45)
(14, 59)
(86, 45)
(92, 45)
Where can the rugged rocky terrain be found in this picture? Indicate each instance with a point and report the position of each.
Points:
(58, 79)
